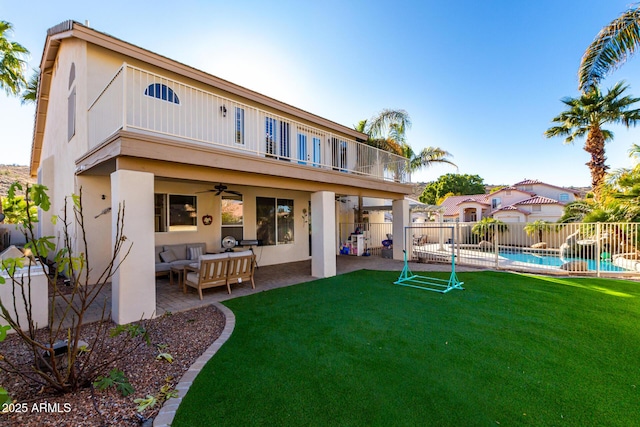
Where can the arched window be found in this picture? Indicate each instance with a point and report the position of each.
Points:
(161, 91)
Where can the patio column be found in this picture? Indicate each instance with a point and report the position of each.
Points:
(133, 290)
(401, 219)
(478, 214)
(323, 234)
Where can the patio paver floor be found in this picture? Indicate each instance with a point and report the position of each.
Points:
(170, 298)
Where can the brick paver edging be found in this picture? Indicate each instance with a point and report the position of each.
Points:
(168, 410)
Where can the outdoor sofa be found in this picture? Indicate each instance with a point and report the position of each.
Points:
(222, 269)
(168, 256)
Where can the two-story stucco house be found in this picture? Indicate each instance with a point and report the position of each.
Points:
(524, 201)
(193, 158)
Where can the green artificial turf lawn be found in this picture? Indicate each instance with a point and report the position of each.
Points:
(356, 350)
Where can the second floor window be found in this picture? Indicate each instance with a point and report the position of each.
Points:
(285, 145)
(339, 151)
(162, 91)
(239, 125)
(271, 127)
(317, 158)
(277, 143)
(302, 149)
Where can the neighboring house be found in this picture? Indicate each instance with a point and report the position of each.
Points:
(193, 158)
(561, 194)
(469, 208)
(525, 201)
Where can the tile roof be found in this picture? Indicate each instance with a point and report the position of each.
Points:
(512, 188)
(535, 181)
(528, 182)
(451, 203)
(511, 208)
(538, 200)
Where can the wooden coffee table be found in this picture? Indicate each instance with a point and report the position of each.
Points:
(178, 271)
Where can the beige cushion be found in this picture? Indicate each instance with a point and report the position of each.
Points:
(158, 249)
(196, 245)
(209, 257)
(240, 254)
(214, 256)
(195, 252)
(179, 250)
(192, 277)
(168, 256)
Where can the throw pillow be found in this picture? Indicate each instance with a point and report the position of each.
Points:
(195, 252)
(168, 256)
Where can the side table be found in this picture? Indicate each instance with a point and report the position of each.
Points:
(177, 271)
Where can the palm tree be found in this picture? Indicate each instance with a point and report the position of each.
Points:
(426, 157)
(387, 131)
(613, 45)
(12, 61)
(586, 115)
(576, 211)
(537, 227)
(623, 190)
(487, 228)
(380, 125)
(30, 92)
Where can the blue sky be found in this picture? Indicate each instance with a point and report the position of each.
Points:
(480, 79)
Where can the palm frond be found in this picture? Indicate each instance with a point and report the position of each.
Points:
(30, 94)
(610, 49)
(380, 125)
(634, 151)
(576, 211)
(13, 61)
(429, 156)
(361, 126)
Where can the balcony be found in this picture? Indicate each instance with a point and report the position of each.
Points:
(138, 100)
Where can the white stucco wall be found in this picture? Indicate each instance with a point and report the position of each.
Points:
(552, 192)
(98, 230)
(324, 243)
(57, 167)
(510, 216)
(509, 197)
(549, 213)
(133, 290)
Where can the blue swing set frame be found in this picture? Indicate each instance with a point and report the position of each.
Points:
(408, 278)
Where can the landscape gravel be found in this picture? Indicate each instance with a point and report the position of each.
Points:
(185, 336)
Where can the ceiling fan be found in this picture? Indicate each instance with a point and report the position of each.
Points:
(219, 189)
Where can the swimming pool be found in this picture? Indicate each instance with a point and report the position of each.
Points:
(554, 261)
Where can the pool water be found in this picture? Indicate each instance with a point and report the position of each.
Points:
(553, 261)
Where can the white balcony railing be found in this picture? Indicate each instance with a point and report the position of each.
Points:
(136, 99)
